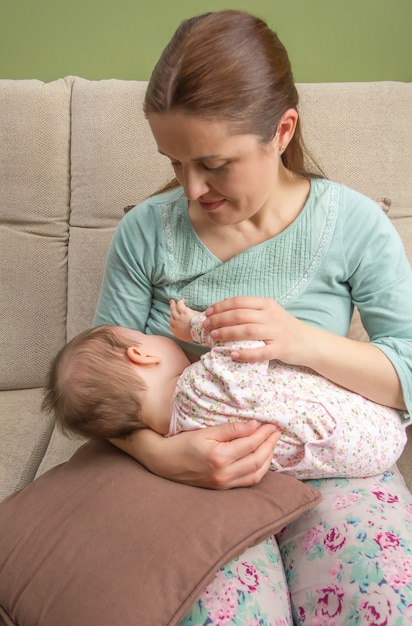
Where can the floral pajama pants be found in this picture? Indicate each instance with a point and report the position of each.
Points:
(347, 562)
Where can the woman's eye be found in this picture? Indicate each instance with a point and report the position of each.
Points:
(177, 165)
(214, 169)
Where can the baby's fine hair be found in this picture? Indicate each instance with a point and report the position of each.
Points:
(92, 389)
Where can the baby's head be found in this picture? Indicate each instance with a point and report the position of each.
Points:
(92, 388)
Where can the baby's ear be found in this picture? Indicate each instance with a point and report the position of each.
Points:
(139, 358)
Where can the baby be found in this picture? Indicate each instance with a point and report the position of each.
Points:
(108, 381)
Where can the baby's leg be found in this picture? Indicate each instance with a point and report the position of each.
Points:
(340, 432)
(368, 440)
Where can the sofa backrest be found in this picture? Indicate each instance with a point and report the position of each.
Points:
(361, 133)
(34, 213)
(114, 163)
(74, 152)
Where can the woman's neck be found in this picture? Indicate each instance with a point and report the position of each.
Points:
(226, 241)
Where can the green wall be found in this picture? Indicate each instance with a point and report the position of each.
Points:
(328, 40)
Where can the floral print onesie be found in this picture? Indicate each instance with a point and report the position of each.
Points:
(326, 431)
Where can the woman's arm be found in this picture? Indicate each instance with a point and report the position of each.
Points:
(360, 367)
(220, 457)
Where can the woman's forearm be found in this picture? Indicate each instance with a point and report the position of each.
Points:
(145, 445)
(237, 454)
(359, 366)
(164, 456)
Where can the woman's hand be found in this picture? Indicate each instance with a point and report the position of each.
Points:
(356, 365)
(218, 457)
(287, 339)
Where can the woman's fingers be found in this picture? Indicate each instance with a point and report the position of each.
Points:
(238, 324)
(240, 456)
(241, 317)
(244, 437)
(254, 355)
(251, 469)
(238, 302)
(260, 319)
(234, 316)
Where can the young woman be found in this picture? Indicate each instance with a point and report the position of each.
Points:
(285, 255)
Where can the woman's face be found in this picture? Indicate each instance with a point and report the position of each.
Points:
(228, 177)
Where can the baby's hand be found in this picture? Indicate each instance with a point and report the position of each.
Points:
(180, 318)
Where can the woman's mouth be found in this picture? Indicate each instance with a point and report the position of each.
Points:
(210, 206)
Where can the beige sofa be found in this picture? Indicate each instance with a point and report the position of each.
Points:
(73, 153)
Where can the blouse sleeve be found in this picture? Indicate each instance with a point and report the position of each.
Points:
(126, 291)
(380, 279)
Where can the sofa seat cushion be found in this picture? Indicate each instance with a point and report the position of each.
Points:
(100, 540)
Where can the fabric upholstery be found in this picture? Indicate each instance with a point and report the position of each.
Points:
(23, 441)
(354, 120)
(114, 163)
(34, 212)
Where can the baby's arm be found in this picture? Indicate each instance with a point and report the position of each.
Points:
(187, 324)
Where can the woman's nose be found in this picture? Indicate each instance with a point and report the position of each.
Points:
(194, 185)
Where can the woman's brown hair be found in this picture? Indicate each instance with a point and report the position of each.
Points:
(229, 65)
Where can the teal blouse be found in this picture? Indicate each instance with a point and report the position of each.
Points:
(341, 251)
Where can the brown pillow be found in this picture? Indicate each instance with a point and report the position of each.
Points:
(100, 540)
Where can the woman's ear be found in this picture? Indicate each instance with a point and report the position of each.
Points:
(286, 128)
(139, 358)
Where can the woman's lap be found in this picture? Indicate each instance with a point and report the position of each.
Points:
(249, 591)
(348, 562)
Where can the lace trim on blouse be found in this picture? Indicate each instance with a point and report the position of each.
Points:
(201, 278)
